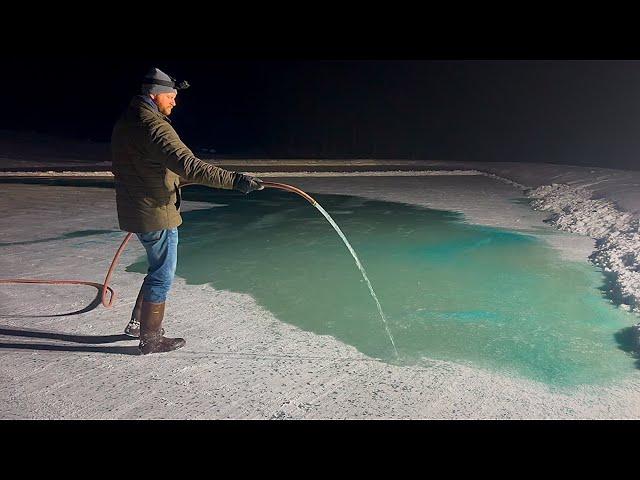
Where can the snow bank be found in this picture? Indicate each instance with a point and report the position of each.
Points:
(616, 233)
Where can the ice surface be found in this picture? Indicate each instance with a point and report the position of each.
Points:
(240, 362)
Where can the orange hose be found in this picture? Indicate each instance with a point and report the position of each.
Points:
(104, 287)
(290, 188)
(100, 286)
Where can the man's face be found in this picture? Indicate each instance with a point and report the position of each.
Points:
(165, 102)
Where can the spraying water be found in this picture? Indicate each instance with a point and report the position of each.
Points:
(290, 188)
(364, 274)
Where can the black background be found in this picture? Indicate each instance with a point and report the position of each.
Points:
(414, 90)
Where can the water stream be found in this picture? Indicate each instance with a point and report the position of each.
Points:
(364, 273)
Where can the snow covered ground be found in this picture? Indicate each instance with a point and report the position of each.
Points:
(241, 362)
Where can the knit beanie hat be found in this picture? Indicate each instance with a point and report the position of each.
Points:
(156, 81)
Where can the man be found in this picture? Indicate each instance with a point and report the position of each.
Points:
(149, 164)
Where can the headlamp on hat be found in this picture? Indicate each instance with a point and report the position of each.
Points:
(183, 84)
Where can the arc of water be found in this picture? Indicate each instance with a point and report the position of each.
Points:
(290, 188)
(362, 270)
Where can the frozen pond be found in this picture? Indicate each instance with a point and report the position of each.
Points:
(450, 290)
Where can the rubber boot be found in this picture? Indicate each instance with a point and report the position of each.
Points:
(151, 339)
(133, 327)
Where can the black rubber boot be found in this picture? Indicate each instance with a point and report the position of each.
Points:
(151, 339)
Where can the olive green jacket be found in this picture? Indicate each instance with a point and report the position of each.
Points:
(149, 164)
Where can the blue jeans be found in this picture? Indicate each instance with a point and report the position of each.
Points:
(162, 254)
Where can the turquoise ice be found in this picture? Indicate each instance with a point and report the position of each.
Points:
(450, 290)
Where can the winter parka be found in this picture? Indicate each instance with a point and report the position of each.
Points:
(149, 163)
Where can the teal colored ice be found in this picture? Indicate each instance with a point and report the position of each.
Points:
(488, 297)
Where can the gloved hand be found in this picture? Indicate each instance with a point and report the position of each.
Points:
(246, 183)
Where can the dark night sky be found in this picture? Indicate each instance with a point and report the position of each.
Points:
(558, 111)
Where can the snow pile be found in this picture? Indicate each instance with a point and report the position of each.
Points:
(575, 211)
(618, 253)
(617, 235)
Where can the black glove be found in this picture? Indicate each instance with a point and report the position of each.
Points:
(246, 183)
